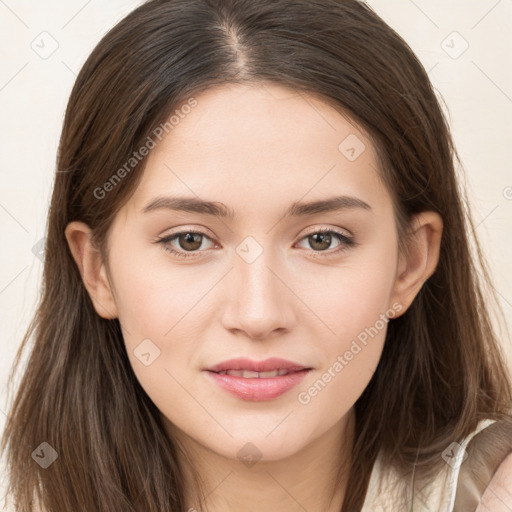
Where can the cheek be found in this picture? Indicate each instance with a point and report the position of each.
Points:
(354, 302)
(152, 294)
(160, 308)
(351, 297)
(153, 308)
(351, 355)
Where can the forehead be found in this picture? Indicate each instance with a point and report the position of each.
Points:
(255, 145)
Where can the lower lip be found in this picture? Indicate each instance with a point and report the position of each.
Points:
(258, 389)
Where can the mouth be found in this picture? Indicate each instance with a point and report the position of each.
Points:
(257, 381)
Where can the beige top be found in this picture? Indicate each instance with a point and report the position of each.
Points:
(457, 487)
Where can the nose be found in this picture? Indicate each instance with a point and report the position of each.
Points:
(260, 304)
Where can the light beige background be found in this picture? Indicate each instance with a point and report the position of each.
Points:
(475, 82)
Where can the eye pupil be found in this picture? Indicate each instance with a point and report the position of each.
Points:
(321, 238)
(190, 238)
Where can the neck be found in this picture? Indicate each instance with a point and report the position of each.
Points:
(313, 479)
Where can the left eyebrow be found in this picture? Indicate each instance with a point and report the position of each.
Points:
(329, 204)
(297, 209)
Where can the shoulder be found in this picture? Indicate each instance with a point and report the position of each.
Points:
(485, 476)
(498, 494)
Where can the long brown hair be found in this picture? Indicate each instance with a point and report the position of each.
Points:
(441, 370)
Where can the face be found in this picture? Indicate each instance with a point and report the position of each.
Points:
(313, 286)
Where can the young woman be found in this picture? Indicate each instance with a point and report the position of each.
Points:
(258, 290)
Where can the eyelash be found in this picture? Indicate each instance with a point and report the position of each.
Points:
(345, 243)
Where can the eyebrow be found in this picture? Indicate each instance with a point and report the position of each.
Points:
(297, 209)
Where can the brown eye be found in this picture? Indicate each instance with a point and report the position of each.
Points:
(190, 241)
(185, 243)
(320, 241)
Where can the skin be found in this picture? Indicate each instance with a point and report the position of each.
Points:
(498, 494)
(257, 149)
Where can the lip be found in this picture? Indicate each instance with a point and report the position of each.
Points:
(272, 363)
(257, 389)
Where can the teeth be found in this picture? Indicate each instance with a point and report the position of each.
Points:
(248, 374)
(273, 373)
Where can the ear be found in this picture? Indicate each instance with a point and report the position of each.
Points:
(92, 268)
(420, 262)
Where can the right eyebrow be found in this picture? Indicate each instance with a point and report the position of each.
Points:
(189, 204)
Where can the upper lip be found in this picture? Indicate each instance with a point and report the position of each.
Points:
(273, 363)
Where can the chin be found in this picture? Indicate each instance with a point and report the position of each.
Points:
(257, 445)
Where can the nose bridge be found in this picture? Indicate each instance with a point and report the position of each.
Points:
(258, 304)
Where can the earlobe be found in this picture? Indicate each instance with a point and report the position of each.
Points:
(420, 262)
(92, 268)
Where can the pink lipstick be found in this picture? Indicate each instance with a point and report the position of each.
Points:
(257, 380)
